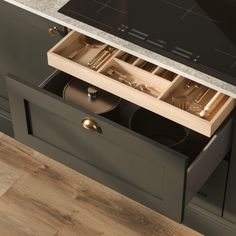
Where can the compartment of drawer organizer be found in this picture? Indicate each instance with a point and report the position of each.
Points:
(132, 80)
(135, 78)
(166, 74)
(126, 57)
(85, 50)
(194, 98)
(145, 65)
(194, 102)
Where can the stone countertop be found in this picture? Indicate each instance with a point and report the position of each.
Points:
(48, 9)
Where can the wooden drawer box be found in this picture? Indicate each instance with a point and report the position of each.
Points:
(72, 55)
(146, 171)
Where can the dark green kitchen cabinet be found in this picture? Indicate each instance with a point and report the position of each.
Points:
(207, 223)
(6, 123)
(211, 196)
(142, 169)
(204, 213)
(204, 216)
(4, 104)
(24, 41)
(230, 200)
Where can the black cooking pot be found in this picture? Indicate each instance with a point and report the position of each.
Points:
(159, 129)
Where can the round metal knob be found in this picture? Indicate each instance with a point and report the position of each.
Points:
(92, 92)
(91, 125)
(53, 31)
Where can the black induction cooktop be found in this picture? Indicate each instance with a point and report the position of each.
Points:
(198, 33)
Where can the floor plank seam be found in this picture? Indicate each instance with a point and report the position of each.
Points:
(18, 179)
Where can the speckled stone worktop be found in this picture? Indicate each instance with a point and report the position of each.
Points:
(48, 9)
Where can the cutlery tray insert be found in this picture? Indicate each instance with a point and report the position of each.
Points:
(147, 85)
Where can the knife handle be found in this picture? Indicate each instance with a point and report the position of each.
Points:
(212, 104)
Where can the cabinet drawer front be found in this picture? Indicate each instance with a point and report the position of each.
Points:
(136, 166)
(230, 197)
(159, 94)
(6, 123)
(4, 103)
(211, 195)
(148, 173)
(207, 223)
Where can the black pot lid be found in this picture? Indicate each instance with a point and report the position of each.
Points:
(90, 97)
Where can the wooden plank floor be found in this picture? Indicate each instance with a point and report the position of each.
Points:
(39, 196)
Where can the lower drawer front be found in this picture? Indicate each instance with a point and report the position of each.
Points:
(6, 123)
(208, 224)
(4, 104)
(211, 195)
(140, 168)
(3, 89)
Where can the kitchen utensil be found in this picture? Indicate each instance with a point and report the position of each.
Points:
(104, 59)
(212, 104)
(195, 106)
(101, 57)
(115, 74)
(94, 59)
(87, 43)
(96, 64)
(182, 100)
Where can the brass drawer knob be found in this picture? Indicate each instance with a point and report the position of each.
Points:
(53, 31)
(91, 125)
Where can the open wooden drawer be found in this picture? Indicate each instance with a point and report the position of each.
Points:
(140, 82)
(132, 164)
